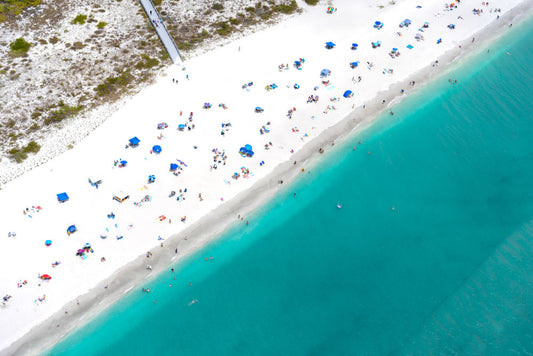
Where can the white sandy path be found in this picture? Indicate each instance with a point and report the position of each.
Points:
(215, 77)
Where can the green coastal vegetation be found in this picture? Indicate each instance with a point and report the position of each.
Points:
(112, 85)
(311, 2)
(20, 154)
(11, 8)
(80, 19)
(19, 48)
(62, 113)
(195, 32)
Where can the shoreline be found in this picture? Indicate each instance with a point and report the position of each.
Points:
(212, 226)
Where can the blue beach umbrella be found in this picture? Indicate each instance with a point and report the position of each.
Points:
(156, 149)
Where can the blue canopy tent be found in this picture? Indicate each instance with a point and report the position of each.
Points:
(378, 24)
(405, 23)
(354, 64)
(325, 73)
(181, 127)
(354, 46)
(246, 151)
(134, 142)
(259, 109)
(62, 197)
(376, 44)
(151, 178)
(330, 45)
(173, 166)
(48, 242)
(71, 229)
(395, 49)
(348, 94)
(156, 149)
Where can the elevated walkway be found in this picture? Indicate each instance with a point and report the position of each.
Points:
(161, 31)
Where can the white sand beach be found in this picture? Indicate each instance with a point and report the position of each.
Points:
(185, 208)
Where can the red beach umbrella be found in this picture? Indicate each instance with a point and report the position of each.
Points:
(46, 277)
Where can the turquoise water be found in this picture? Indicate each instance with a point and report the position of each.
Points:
(448, 271)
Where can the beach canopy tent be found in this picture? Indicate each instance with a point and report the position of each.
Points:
(181, 127)
(134, 141)
(405, 23)
(62, 197)
(71, 229)
(354, 46)
(409, 46)
(246, 151)
(45, 277)
(354, 64)
(330, 45)
(378, 24)
(325, 73)
(376, 44)
(395, 49)
(348, 94)
(173, 166)
(48, 242)
(151, 178)
(259, 109)
(156, 149)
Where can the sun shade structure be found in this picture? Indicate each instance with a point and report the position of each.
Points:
(348, 94)
(173, 167)
(156, 149)
(134, 141)
(330, 45)
(246, 151)
(62, 197)
(71, 229)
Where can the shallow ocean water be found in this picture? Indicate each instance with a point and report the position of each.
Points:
(447, 271)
